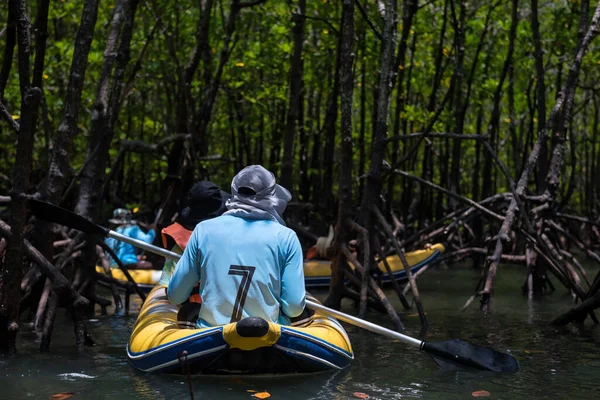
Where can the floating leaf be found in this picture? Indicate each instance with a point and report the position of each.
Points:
(481, 393)
(61, 396)
(414, 315)
(360, 395)
(251, 391)
(262, 395)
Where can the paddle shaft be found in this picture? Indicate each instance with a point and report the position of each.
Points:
(143, 245)
(361, 323)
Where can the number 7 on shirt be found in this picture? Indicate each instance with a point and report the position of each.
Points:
(246, 273)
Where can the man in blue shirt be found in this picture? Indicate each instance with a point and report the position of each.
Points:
(248, 262)
(127, 253)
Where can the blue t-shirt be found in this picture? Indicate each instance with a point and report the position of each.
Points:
(246, 268)
(126, 252)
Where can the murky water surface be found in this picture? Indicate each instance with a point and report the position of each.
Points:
(555, 363)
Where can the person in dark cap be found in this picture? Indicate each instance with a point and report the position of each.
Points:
(248, 263)
(205, 200)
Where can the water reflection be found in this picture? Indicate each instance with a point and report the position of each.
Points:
(555, 362)
(328, 385)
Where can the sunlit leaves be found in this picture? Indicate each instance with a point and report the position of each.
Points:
(253, 91)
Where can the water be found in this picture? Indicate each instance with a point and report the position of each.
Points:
(556, 363)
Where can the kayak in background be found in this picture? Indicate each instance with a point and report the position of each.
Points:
(146, 279)
(317, 273)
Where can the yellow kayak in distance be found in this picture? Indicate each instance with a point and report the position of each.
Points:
(146, 279)
(317, 273)
(249, 346)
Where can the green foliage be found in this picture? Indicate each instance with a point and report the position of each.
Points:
(253, 93)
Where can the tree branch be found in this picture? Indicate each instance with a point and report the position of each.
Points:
(443, 135)
(250, 3)
(449, 193)
(8, 117)
(363, 12)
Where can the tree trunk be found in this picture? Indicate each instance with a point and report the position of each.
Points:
(11, 272)
(203, 116)
(184, 98)
(459, 110)
(494, 124)
(410, 8)
(293, 115)
(41, 34)
(439, 57)
(59, 169)
(541, 95)
(104, 117)
(9, 47)
(363, 115)
(342, 230)
(557, 120)
(329, 128)
(387, 63)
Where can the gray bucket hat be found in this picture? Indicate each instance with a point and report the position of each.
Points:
(256, 186)
(122, 216)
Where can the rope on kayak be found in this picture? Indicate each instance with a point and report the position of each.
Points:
(185, 370)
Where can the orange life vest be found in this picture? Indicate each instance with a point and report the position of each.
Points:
(178, 233)
(181, 236)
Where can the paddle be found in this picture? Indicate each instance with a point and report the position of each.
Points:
(452, 352)
(58, 215)
(449, 353)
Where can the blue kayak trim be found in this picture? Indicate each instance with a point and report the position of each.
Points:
(308, 337)
(199, 335)
(299, 345)
(313, 350)
(165, 356)
(308, 357)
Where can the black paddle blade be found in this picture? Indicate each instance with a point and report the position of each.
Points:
(460, 353)
(58, 215)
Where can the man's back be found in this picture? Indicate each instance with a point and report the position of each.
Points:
(245, 267)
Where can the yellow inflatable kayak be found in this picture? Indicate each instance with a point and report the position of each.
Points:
(317, 273)
(251, 345)
(145, 278)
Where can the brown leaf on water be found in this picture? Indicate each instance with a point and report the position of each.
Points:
(262, 395)
(251, 391)
(61, 396)
(481, 393)
(360, 395)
